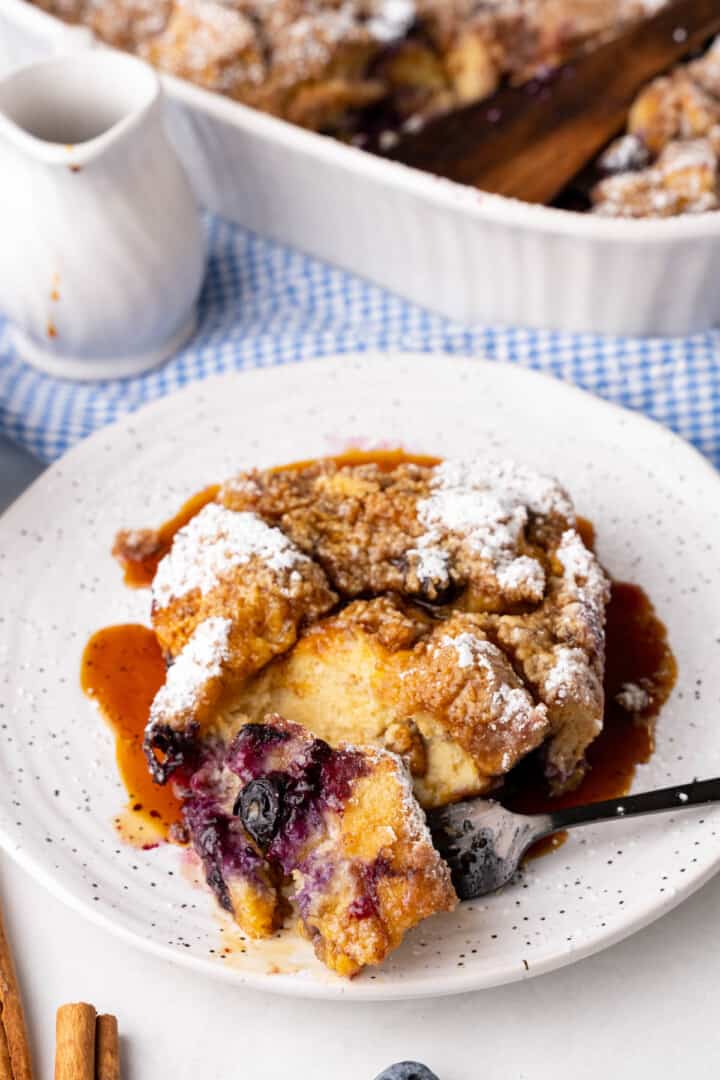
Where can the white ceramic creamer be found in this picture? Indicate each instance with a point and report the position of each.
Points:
(102, 250)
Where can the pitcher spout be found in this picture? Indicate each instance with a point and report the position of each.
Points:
(70, 110)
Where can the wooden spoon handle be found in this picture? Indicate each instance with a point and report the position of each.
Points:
(528, 142)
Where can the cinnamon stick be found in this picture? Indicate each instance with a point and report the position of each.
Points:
(107, 1048)
(6, 1072)
(75, 1042)
(14, 1046)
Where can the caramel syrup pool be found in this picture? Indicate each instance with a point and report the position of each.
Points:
(123, 668)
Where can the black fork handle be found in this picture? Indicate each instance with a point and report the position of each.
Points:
(698, 793)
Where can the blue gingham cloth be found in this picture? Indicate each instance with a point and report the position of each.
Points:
(265, 304)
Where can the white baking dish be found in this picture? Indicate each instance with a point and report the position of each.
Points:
(471, 256)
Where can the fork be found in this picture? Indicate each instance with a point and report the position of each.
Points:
(484, 844)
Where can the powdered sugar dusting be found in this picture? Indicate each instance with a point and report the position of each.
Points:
(625, 154)
(469, 649)
(511, 707)
(486, 504)
(221, 35)
(433, 563)
(216, 542)
(570, 677)
(200, 660)
(632, 698)
(414, 816)
(415, 826)
(522, 573)
(392, 19)
(583, 576)
(309, 42)
(500, 477)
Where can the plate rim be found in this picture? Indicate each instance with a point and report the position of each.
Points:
(336, 989)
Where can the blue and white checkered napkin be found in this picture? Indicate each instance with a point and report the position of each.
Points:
(265, 304)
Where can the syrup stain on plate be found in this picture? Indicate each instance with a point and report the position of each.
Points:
(122, 670)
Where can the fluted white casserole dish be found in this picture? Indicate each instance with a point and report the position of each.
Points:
(465, 254)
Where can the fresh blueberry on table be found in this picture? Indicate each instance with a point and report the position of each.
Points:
(407, 1070)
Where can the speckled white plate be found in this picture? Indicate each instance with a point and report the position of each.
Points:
(656, 505)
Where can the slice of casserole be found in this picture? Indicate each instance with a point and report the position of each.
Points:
(341, 827)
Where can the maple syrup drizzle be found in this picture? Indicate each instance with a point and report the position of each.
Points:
(123, 669)
(140, 571)
(637, 652)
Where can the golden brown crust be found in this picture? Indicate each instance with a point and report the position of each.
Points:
(434, 685)
(127, 24)
(685, 179)
(392, 624)
(265, 617)
(672, 107)
(358, 522)
(440, 694)
(362, 861)
(673, 139)
(212, 44)
(461, 691)
(136, 545)
(484, 526)
(380, 825)
(468, 684)
(560, 651)
(320, 63)
(232, 569)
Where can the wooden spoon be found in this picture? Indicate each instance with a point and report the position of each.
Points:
(528, 142)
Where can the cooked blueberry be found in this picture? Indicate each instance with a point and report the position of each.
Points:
(258, 807)
(174, 747)
(407, 1070)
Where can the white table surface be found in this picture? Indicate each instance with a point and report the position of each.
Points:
(645, 1008)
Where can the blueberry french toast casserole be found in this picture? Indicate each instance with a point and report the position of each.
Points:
(348, 646)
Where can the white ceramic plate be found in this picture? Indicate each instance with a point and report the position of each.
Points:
(656, 506)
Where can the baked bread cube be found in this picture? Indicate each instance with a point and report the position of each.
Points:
(228, 570)
(443, 697)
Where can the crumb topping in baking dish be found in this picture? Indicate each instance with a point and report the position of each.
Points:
(350, 67)
(668, 162)
(323, 63)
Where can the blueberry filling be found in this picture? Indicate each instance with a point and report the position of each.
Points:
(249, 752)
(315, 780)
(222, 846)
(208, 844)
(367, 904)
(174, 747)
(259, 807)
(292, 786)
